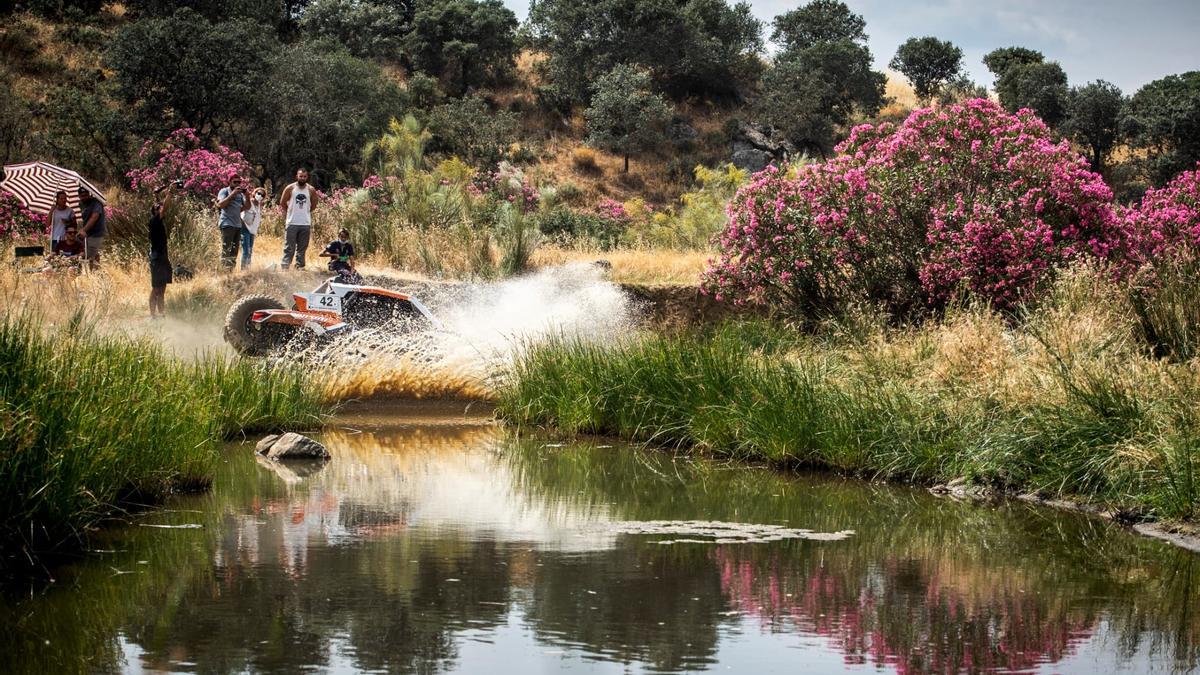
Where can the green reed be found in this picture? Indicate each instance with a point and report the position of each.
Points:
(91, 424)
(1108, 423)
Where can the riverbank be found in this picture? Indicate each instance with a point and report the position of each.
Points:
(1069, 403)
(93, 425)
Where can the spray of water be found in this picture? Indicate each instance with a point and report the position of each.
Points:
(483, 327)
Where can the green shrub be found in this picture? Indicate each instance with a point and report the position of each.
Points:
(565, 224)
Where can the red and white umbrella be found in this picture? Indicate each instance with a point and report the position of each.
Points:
(36, 183)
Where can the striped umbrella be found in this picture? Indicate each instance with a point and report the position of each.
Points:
(35, 184)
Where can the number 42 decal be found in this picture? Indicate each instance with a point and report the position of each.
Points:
(329, 303)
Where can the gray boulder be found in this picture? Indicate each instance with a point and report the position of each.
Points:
(291, 446)
(682, 132)
(768, 140)
(751, 159)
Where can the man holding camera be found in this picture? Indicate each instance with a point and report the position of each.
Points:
(231, 202)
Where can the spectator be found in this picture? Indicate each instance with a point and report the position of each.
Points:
(340, 253)
(251, 219)
(93, 230)
(232, 202)
(300, 200)
(59, 217)
(160, 262)
(71, 245)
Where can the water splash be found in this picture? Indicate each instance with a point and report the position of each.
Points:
(483, 326)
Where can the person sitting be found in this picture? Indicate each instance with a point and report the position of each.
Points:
(70, 245)
(341, 254)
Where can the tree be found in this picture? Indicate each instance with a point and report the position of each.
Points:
(465, 43)
(1041, 87)
(57, 9)
(1000, 60)
(626, 116)
(281, 15)
(690, 47)
(368, 29)
(928, 63)
(87, 131)
(1163, 122)
(14, 120)
(321, 107)
(1094, 119)
(721, 51)
(799, 104)
(215, 72)
(960, 89)
(818, 22)
(468, 128)
(824, 77)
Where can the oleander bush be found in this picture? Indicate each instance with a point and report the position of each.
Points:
(960, 201)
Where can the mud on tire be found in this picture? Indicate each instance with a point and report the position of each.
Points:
(242, 336)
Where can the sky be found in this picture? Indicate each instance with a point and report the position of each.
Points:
(1127, 43)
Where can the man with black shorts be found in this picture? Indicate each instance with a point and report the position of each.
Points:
(160, 262)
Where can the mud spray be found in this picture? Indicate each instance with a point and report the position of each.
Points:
(483, 327)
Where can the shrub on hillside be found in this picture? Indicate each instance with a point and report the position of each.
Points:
(699, 216)
(584, 159)
(183, 157)
(966, 199)
(568, 225)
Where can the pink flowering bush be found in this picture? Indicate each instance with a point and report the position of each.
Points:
(183, 157)
(1167, 222)
(963, 199)
(16, 220)
(507, 183)
(612, 210)
(1165, 234)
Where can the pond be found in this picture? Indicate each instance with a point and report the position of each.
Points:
(438, 542)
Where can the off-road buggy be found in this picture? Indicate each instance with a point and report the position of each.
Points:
(258, 324)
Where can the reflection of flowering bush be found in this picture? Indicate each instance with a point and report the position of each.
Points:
(183, 157)
(961, 198)
(885, 623)
(16, 220)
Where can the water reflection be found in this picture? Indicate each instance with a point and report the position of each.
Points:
(450, 546)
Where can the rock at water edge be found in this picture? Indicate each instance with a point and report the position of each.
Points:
(296, 446)
(265, 444)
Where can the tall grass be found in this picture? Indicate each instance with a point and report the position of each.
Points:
(1070, 403)
(89, 424)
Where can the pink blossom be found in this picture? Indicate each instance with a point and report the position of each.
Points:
(967, 198)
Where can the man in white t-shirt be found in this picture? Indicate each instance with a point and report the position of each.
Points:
(300, 199)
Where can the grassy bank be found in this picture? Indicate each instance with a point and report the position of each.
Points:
(89, 424)
(1068, 402)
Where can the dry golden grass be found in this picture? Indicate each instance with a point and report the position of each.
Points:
(633, 266)
(1085, 323)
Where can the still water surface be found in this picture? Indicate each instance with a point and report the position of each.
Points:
(446, 544)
